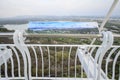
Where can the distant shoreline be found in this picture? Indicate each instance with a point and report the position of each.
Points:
(26, 19)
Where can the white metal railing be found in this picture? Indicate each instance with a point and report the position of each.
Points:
(44, 61)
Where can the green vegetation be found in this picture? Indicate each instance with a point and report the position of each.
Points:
(67, 31)
(114, 27)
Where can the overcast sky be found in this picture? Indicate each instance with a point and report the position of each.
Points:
(12, 8)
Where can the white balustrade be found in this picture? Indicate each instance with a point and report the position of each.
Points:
(45, 61)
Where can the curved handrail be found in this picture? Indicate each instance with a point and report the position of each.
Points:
(21, 39)
(19, 47)
(107, 47)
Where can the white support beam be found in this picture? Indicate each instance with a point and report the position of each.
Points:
(108, 14)
(88, 63)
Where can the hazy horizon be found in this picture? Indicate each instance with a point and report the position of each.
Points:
(47, 16)
(14, 8)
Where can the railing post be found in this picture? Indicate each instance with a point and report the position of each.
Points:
(16, 40)
(108, 40)
(24, 47)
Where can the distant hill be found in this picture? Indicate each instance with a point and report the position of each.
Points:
(26, 19)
